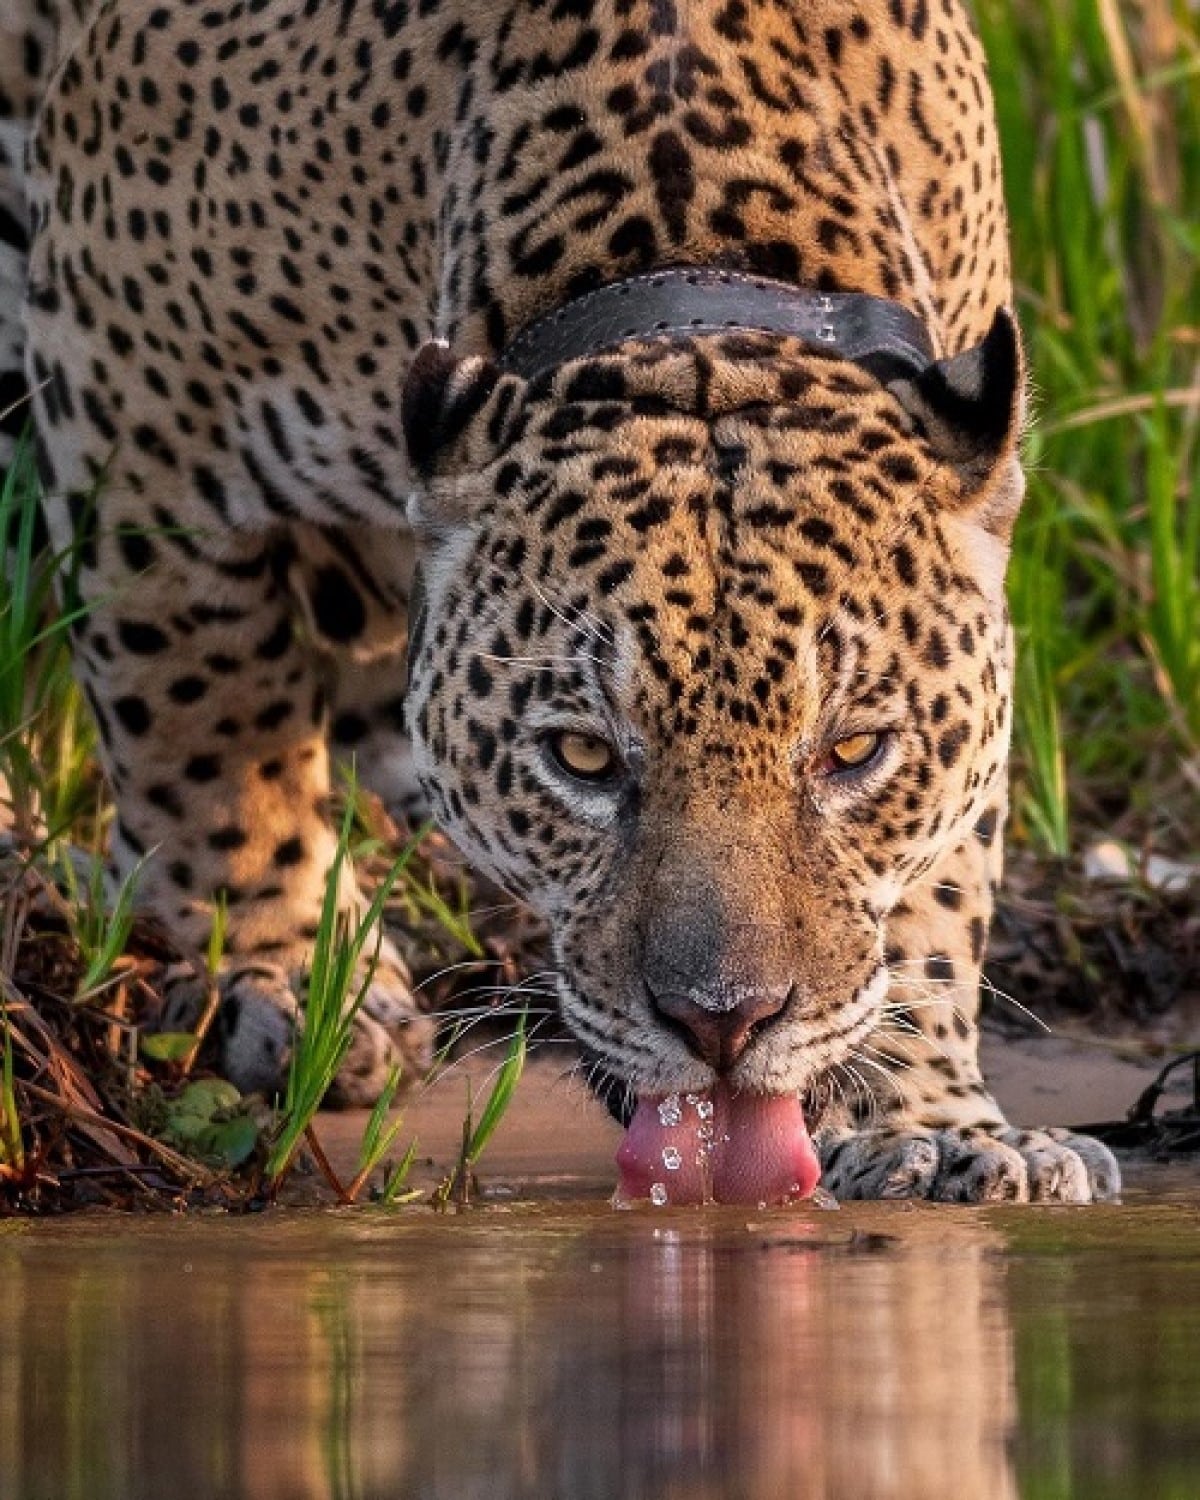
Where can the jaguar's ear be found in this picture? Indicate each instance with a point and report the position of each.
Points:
(442, 393)
(458, 413)
(970, 409)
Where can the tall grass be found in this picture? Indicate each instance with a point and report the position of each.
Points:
(46, 737)
(1099, 112)
(339, 976)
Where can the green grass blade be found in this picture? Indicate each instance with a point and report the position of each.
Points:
(12, 1147)
(378, 1136)
(393, 1188)
(501, 1094)
(333, 997)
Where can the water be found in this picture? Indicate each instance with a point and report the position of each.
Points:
(564, 1350)
(669, 1112)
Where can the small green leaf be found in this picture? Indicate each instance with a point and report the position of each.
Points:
(232, 1143)
(167, 1046)
(205, 1098)
(204, 1122)
(186, 1130)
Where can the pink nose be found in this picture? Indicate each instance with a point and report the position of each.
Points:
(720, 1033)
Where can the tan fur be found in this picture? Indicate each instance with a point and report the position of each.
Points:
(721, 553)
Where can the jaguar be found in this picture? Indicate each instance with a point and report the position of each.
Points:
(601, 420)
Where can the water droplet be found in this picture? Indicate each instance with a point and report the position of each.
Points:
(658, 1194)
(669, 1112)
(672, 1159)
(704, 1108)
(704, 1132)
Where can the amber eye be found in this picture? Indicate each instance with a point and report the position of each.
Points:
(854, 752)
(584, 756)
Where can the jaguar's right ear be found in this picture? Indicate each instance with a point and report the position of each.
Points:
(458, 414)
(446, 401)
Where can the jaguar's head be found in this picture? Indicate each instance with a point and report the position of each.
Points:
(713, 664)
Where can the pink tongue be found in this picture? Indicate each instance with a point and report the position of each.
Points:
(717, 1147)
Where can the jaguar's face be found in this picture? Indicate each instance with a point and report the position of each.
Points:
(709, 685)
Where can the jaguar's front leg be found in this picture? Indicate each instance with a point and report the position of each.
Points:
(212, 717)
(912, 1116)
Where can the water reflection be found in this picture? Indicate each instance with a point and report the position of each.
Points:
(592, 1356)
(868, 1355)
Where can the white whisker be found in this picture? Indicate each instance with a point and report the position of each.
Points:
(1013, 1001)
(868, 1062)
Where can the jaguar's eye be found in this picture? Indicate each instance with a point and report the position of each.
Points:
(855, 752)
(587, 757)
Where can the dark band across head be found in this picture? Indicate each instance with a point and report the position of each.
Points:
(883, 336)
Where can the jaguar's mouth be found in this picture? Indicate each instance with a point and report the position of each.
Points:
(720, 1146)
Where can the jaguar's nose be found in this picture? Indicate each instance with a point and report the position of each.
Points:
(719, 1027)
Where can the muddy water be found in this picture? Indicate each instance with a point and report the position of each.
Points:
(569, 1351)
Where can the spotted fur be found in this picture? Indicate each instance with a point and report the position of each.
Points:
(719, 554)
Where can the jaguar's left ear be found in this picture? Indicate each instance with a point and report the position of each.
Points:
(970, 409)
